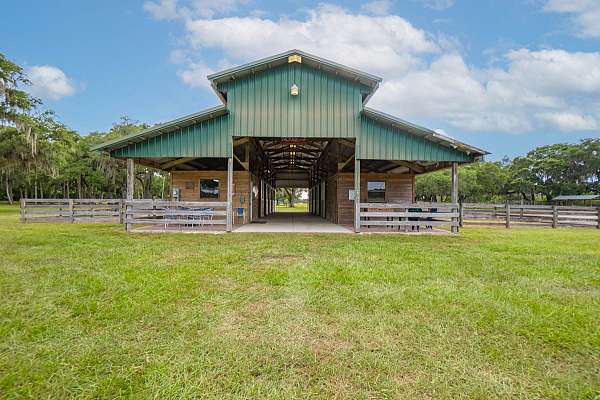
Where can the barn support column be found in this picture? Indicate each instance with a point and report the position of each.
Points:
(357, 195)
(229, 193)
(129, 185)
(454, 197)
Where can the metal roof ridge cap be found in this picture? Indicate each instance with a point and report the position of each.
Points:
(266, 60)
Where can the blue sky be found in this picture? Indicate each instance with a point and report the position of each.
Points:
(502, 75)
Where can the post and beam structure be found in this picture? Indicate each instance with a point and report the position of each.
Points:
(454, 196)
(129, 189)
(229, 193)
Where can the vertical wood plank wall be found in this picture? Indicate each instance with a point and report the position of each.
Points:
(188, 182)
(339, 209)
(398, 187)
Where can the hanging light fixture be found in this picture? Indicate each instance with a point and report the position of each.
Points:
(294, 90)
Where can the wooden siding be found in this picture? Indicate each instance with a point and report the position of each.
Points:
(241, 186)
(398, 187)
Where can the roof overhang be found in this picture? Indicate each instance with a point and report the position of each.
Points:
(159, 129)
(423, 132)
(369, 80)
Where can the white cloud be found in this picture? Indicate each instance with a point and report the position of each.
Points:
(438, 5)
(377, 7)
(195, 75)
(586, 14)
(567, 121)
(531, 92)
(425, 78)
(172, 9)
(49, 82)
(390, 40)
(163, 9)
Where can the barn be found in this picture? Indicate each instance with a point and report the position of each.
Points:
(297, 120)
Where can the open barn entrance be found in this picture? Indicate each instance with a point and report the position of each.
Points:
(290, 180)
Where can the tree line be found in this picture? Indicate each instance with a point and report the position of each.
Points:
(40, 157)
(540, 175)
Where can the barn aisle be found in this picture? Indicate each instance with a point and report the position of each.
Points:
(293, 222)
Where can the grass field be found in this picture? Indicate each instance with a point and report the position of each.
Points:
(88, 311)
(298, 207)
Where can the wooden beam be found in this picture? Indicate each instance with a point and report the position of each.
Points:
(342, 165)
(454, 197)
(246, 165)
(413, 167)
(229, 193)
(130, 187)
(178, 161)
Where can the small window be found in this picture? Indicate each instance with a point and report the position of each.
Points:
(376, 192)
(209, 188)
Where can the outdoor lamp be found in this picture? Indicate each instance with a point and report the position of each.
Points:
(294, 90)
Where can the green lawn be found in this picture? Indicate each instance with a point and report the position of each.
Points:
(298, 207)
(88, 311)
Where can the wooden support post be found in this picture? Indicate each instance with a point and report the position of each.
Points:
(72, 211)
(24, 211)
(130, 182)
(357, 195)
(598, 220)
(461, 214)
(554, 216)
(229, 192)
(507, 207)
(454, 193)
(121, 211)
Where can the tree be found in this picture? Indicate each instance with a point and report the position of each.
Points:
(290, 195)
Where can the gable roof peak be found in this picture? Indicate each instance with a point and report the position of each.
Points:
(365, 78)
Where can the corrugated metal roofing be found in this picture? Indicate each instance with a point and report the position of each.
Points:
(577, 197)
(259, 104)
(328, 106)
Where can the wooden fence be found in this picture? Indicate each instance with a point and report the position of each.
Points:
(407, 216)
(165, 214)
(71, 210)
(529, 215)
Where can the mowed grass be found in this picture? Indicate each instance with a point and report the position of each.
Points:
(298, 207)
(88, 311)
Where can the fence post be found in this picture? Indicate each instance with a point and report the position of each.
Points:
(598, 220)
(507, 214)
(121, 211)
(554, 216)
(461, 216)
(72, 210)
(24, 205)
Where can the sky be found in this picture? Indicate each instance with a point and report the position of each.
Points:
(505, 75)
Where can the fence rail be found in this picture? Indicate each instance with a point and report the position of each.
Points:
(530, 215)
(174, 213)
(409, 215)
(71, 210)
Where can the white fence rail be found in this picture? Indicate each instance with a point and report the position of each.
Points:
(409, 215)
(165, 213)
(71, 210)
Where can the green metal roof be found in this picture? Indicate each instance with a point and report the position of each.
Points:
(258, 104)
(365, 78)
(421, 131)
(162, 128)
(577, 197)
